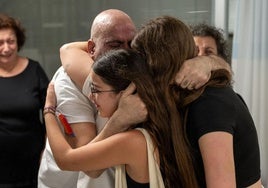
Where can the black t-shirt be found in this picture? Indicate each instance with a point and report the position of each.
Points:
(22, 135)
(133, 184)
(221, 109)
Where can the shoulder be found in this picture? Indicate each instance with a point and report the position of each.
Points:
(33, 64)
(123, 148)
(32, 61)
(215, 98)
(36, 66)
(214, 110)
(129, 142)
(218, 92)
(135, 150)
(134, 137)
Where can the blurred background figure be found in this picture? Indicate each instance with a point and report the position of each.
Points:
(210, 40)
(22, 95)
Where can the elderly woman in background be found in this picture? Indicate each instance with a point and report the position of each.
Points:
(22, 95)
(209, 40)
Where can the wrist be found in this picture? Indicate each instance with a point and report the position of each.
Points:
(119, 121)
(49, 110)
(211, 62)
(217, 62)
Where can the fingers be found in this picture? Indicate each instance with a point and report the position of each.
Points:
(188, 85)
(182, 78)
(51, 96)
(51, 86)
(185, 83)
(191, 87)
(130, 89)
(198, 85)
(179, 78)
(131, 109)
(192, 81)
(193, 74)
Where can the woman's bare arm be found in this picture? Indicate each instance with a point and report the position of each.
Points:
(123, 148)
(218, 159)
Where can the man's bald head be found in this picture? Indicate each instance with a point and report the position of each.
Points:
(111, 29)
(108, 19)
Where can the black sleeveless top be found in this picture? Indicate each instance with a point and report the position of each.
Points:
(133, 184)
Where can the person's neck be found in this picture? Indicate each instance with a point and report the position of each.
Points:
(9, 68)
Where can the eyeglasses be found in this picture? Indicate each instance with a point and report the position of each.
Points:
(94, 90)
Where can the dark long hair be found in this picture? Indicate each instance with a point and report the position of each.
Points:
(119, 68)
(166, 42)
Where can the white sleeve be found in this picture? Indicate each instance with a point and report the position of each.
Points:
(71, 101)
(86, 87)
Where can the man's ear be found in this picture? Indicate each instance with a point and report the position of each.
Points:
(91, 47)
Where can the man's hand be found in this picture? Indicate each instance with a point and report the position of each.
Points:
(196, 72)
(131, 110)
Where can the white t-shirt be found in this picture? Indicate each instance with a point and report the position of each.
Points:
(77, 108)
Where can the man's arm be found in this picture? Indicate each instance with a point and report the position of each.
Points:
(195, 72)
(131, 109)
(76, 61)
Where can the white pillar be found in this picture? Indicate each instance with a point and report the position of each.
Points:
(221, 15)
